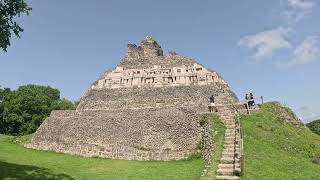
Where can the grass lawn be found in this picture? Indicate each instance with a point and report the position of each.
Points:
(17, 162)
(274, 150)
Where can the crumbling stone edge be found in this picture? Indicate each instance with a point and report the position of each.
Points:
(207, 142)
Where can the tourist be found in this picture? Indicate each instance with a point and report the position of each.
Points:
(211, 105)
(247, 100)
(251, 98)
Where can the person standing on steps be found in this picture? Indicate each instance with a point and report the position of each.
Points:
(212, 105)
(251, 98)
(247, 98)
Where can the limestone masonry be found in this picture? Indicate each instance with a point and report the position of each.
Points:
(148, 107)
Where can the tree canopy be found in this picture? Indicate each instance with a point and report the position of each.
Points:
(23, 110)
(9, 10)
(314, 126)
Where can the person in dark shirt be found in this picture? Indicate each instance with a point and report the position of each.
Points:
(248, 103)
(212, 104)
(251, 99)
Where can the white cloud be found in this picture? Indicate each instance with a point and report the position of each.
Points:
(307, 52)
(301, 4)
(306, 114)
(297, 9)
(265, 43)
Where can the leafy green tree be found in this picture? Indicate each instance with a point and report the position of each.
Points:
(64, 104)
(314, 126)
(9, 10)
(23, 110)
(3, 93)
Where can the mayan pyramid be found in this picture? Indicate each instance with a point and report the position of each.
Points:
(147, 108)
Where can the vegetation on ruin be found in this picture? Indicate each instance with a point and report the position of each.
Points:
(23, 110)
(275, 149)
(217, 131)
(17, 162)
(9, 11)
(314, 126)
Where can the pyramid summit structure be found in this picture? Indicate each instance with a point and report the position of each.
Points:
(149, 107)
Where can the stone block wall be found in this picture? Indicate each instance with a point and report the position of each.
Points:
(141, 134)
(152, 97)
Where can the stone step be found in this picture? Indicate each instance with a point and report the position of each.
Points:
(230, 155)
(230, 131)
(230, 126)
(227, 177)
(228, 160)
(232, 138)
(237, 170)
(229, 123)
(226, 166)
(231, 146)
(231, 150)
(225, 172)
(230, 135)
(229, 142)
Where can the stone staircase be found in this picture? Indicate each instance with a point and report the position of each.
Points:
(229, 167)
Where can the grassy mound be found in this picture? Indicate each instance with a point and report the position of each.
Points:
(275, 148)
(17, 162)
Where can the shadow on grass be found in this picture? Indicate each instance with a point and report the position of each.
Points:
(17, 171)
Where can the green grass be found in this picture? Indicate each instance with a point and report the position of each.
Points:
(273, 150)
(17, 162)
(217, 130)
(277, 150)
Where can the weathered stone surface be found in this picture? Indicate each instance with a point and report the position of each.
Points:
(147, 108)
(160, 134)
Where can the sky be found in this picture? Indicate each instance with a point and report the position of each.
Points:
(271, 47)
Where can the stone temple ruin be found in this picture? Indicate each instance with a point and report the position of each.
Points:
(148, 107)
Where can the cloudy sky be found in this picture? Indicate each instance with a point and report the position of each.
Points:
(271, 47)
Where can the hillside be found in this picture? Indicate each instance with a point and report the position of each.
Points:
(278, 149)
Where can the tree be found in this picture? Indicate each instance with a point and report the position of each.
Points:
(64, 104)
(314, 126)
(23, 110)
(3, 93)
(9, 10)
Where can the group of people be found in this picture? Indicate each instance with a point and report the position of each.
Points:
(250, 99)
